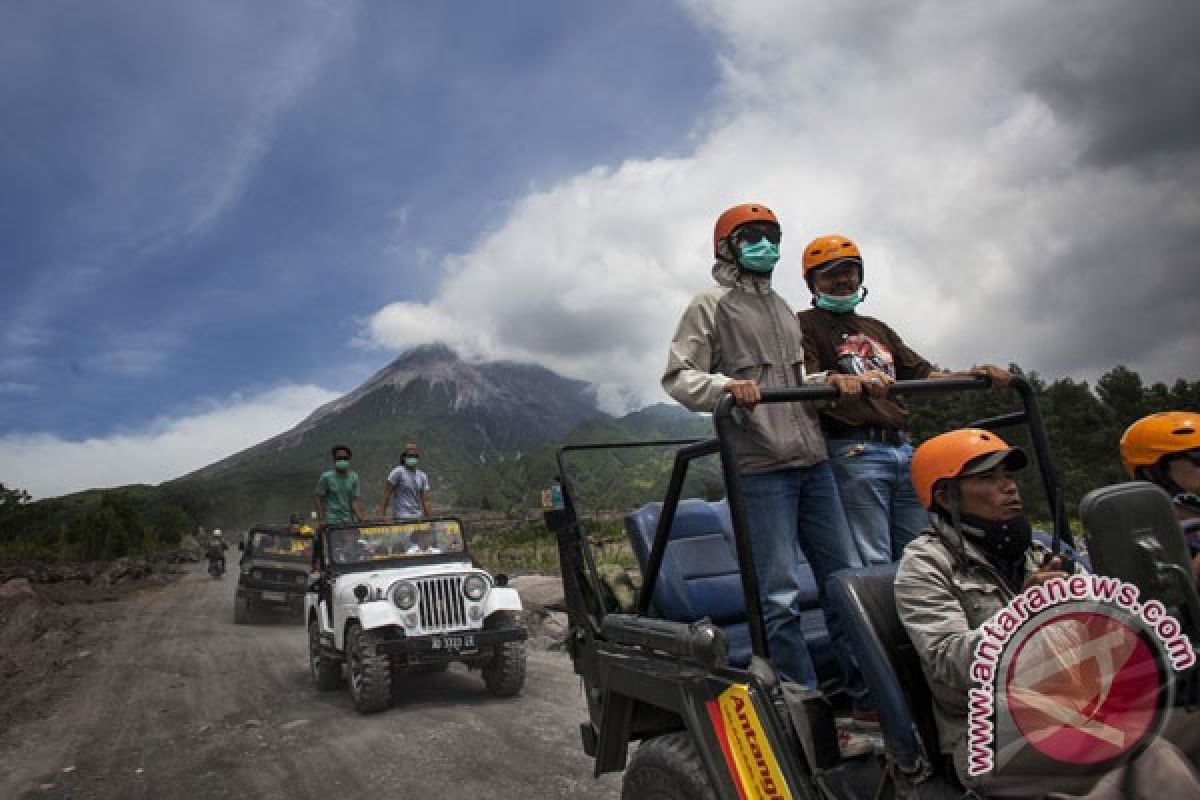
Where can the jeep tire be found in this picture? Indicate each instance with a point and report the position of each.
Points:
(241, 610)
(667, 767)
(504, 673)
(370, 673)
(326, 673)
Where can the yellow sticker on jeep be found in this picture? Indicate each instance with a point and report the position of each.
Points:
(748, 753)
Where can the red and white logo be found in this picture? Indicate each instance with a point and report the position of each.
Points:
(1076, 671)
(1084, 687)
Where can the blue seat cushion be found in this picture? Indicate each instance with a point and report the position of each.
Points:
(699, 577)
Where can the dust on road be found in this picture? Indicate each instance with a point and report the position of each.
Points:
(174, 700)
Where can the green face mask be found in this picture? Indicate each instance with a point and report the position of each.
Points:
(839, 303)
(759, 257)
(410, 461)
(341, 465)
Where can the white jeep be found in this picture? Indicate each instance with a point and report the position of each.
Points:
(397, 597)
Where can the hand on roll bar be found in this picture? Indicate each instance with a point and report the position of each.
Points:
(746, 393)
(874, 383)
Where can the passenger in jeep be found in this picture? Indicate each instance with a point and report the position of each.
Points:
(1164, 449)
(977, 554)
(740, 337)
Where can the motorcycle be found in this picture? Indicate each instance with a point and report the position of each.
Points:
(216, 568)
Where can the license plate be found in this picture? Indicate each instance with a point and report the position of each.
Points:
(278, 597)
(455, 644)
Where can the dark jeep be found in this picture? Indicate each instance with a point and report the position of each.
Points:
(273, 571)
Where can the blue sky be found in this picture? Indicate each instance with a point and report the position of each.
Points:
(216, 216)
(201, 199)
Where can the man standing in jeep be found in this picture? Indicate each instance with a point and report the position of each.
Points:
(406, 490)
(741, 337)
(337, 492)
(869, 445)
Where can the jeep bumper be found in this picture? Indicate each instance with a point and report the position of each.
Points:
(280, 596)
(451, 645)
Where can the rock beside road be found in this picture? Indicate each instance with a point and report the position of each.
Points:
(545, 609)
(106, 573)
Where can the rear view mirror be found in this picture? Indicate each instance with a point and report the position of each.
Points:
(1133, 534)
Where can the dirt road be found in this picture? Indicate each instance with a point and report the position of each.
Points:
(177, 701)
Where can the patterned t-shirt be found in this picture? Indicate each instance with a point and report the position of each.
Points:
(854, 344)
(407, 487)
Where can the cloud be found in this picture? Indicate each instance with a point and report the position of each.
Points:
(47, 466)
(983, 156)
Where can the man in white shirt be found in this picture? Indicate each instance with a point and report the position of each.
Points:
(406, 490)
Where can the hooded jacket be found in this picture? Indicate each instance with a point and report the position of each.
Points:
(742, 329)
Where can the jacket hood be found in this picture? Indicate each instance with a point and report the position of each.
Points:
(726, 273)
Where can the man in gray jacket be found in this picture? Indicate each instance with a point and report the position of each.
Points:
(740, 337)
(976, 556)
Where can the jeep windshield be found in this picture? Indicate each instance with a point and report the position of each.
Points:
(395, 541)
(281, 546)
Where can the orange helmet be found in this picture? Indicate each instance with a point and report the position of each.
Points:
(731, 218)
(1150, 438)
(826, 249)
(956, 454)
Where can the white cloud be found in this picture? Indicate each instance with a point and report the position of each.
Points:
(46, 465)
(920, 133)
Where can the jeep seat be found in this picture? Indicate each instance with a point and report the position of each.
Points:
(700, 578)
(866, 603)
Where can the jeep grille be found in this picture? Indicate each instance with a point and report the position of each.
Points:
(442, 606)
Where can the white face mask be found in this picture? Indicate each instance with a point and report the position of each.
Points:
(410, 461)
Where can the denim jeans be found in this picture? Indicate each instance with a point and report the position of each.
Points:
(788, 512)
(882, 508)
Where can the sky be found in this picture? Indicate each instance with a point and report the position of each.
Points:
(217, 216)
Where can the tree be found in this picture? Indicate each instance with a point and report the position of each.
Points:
(11, 498)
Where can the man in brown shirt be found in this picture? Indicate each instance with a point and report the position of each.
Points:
(869, 446)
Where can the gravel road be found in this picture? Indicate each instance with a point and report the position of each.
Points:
(174, 700)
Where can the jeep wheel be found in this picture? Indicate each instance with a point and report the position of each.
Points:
(667, 768)
(504, 673)
(241, 611)
(370, 673)
(326, 673)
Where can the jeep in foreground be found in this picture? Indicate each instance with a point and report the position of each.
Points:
(272, 572)
(399, 597)
(683, 670)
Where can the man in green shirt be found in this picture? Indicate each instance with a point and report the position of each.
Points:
(337, 492)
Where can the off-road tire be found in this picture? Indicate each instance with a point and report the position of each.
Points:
(667, 767)
(241, 611)
(326, 673)
(504, 673)
(370, 674)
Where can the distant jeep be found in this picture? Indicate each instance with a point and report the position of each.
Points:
(403, 597)
(273, 571)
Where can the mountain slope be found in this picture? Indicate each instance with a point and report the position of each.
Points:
(464, 417)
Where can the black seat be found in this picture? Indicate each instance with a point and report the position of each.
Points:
(866, 604)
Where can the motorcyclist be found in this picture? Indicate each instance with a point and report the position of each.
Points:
(215, 553)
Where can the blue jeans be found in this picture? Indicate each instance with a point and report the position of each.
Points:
(877, 492)
(788, 512)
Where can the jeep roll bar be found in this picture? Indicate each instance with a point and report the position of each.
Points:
(722, 444)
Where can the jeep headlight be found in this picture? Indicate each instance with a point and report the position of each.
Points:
(474, 587)
(404, 595)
